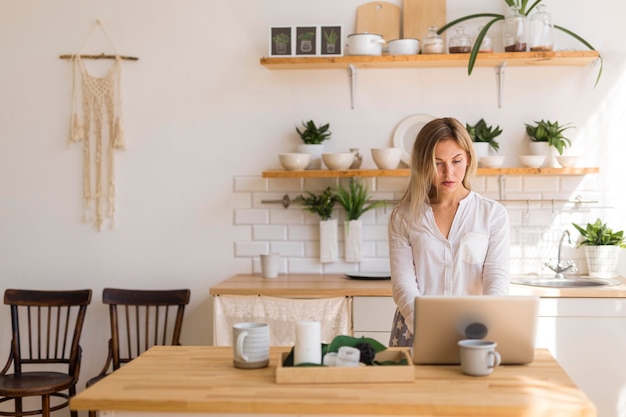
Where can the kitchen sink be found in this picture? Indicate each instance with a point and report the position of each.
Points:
(567, 282)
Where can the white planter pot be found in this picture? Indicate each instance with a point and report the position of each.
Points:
(315, 151)
(542, 148)
(353, 240)
(329, 248)
(602, 261)
(480, 149)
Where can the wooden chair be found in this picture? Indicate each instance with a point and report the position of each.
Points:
(139, 320)
(46, 328)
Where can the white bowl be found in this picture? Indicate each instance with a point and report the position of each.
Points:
(338, 160)
(532, 161)
(387, 158)
(294, 161)
(403, 46)
(492, 161)
(569, 161)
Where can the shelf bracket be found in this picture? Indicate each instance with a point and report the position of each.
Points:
(352, 77)
(500, 81)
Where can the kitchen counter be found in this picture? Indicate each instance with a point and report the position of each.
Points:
(174, 380)
(338, 285)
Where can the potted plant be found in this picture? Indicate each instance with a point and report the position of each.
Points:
(313, 135)
(281, 40)
(484, 137)
(354, 200)
(546, 137)
(602, 246)
(522, 8)
(323, 204)
(330, 37)
(306, 39)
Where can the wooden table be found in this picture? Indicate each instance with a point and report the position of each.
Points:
(201, 379)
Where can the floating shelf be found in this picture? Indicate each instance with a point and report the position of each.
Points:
(512, 59)
(327, 173)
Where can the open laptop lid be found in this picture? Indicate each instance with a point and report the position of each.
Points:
(441, 321)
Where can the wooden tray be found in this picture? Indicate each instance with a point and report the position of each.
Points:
(340, 375)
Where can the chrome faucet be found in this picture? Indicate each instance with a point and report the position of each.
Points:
(559, 268)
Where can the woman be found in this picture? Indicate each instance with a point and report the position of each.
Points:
(444, 239)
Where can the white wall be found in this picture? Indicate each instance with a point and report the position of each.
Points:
(200, 111)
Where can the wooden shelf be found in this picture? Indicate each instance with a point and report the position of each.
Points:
(514, 59)
(326, 173)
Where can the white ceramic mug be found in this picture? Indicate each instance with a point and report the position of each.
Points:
(251, 345)
(269, 265)
(478, 357)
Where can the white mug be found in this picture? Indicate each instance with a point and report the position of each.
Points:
(478, 357)
(251, 345)
(269, 265)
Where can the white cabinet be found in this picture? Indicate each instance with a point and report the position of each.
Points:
(373, 317)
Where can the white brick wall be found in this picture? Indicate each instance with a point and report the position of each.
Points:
(536, 208)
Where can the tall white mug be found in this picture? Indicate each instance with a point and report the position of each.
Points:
(269, 265)
(251, 345)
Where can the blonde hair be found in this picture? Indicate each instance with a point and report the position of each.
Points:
(421, 185)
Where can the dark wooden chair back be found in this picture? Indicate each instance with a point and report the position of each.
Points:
(46, 328)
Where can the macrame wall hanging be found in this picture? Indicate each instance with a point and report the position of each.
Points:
(97, 122)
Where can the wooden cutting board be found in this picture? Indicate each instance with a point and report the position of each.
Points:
(418, 15)
(379, 17)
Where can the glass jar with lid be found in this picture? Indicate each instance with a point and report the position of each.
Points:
(486, 45)
(433, 43)
(541, 31)
(460, 43)
(515, 31)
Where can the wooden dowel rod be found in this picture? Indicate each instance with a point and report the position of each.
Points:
(101, 56)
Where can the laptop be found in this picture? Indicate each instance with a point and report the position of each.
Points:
(441, 321)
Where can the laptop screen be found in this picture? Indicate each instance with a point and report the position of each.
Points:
(441, 321)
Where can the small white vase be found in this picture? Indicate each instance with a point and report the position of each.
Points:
(353, 240)
(316, 151)
(329, 248)
(602, 260)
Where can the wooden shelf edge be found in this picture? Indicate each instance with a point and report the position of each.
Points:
(553, 58)
(326, 173)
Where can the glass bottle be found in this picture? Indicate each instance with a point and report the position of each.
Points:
(514, 31)
(487, 44)
(541, 30)
(433, 43)
(460, 43)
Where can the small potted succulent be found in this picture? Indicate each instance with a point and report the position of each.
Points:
(602, 247)
(546, 137)
(483, 138)
(323, 205)
(313, 137)
(354, 200)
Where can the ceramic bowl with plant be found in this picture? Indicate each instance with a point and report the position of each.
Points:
(313, 137)
(602, 247)
(551, 133)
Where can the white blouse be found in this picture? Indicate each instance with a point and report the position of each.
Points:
(473, 260)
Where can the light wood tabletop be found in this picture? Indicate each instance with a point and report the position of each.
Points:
(201, 379)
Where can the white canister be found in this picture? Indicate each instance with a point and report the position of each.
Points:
(365, 44)
(404, 47)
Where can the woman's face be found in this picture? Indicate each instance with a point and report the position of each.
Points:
(451, 161)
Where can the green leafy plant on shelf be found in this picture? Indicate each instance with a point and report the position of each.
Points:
(482, 132)
(321, 204)
(551, 132)
(354, 199)
(525, 10)
(599, 234)
(313, 134)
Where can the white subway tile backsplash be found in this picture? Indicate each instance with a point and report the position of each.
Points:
(536, 225)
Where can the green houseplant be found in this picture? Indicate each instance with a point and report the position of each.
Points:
(354, 200)
(525, 10)
(323, 205)
(313, 136)
(481, 132)
(550, 132)
(602, 246)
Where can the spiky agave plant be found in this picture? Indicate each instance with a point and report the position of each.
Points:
(522, 5)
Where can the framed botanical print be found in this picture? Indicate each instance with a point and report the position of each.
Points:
(281, 41)
(331, 40)
(306, 39)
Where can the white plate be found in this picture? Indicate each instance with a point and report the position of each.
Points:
(405, 133)
(368, 275)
